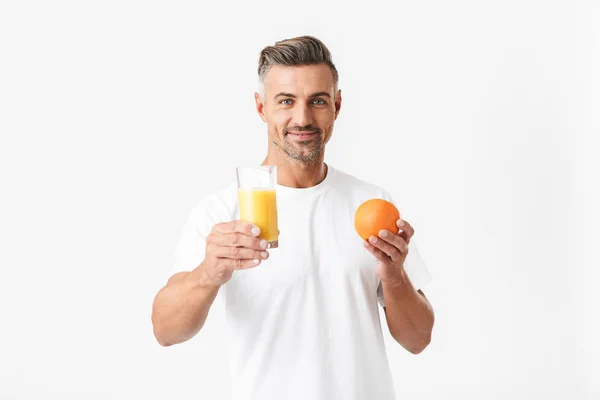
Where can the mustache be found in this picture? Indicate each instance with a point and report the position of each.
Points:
(303, 129)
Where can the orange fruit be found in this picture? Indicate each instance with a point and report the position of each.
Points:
(374, 215)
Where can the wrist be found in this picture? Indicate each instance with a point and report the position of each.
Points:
(397, 280)
(201, 280)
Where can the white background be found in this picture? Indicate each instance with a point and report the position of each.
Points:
(480, 117)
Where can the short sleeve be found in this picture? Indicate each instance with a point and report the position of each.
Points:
(414, 265)
(191, 248)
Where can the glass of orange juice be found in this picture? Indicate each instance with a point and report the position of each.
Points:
(256, 195)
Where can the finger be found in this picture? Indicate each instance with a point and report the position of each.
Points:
(394, 240)
(244, 264)
(406, 230)
(237, 226)
(226, 265)
(237, 240)
(379, 255)
(391, 251)
(237, 253)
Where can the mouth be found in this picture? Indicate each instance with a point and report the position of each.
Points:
(303, 135)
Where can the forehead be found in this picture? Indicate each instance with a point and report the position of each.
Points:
(299, 80)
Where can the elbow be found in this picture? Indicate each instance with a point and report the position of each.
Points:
(414, 345)
(165, 334)
(157, 328)
(424, 338)
(162, 342)
(158, 334)
(421, 345)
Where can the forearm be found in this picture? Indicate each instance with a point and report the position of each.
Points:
(409, 315)
(181, 307)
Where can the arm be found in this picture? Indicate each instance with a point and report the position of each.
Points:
(180, 308)
(409, 314)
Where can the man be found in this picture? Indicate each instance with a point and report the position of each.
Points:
(303, 318)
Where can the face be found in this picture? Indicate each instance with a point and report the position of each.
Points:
(299, 105)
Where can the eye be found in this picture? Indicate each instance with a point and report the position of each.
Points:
(319, 102)
(286, 100)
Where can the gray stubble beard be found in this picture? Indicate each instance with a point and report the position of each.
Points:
(310, 159)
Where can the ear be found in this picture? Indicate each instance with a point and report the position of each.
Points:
(338, 103)
(260, 107)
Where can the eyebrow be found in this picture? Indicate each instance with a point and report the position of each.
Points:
(318, 94)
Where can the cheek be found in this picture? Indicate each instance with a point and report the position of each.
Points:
(326, 120)
(273, 129)
(280, 120)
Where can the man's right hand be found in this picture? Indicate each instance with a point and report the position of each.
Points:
(230, 246)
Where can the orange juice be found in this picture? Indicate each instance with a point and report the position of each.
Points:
(259, 207)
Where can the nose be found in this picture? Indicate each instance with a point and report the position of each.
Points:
(303, 115)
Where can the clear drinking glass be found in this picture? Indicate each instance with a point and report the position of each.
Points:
(256, 194)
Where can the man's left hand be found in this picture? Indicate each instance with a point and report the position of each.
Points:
(391, 250)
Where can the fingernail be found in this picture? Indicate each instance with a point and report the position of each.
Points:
(263, 244)
(255, 231)
(400, 223)
(256, 262)
(264, 254)
(383, 233)
(373, 239)
(365, 243)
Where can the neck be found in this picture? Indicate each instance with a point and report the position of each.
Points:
(294, 173)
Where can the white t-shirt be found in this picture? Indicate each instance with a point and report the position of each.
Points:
(304, 324)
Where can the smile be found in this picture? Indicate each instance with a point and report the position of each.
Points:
(302, 135)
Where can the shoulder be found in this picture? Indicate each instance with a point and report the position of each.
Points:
(217, 206)
(354, 186)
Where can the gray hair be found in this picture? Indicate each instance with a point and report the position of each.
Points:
(301, 50)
